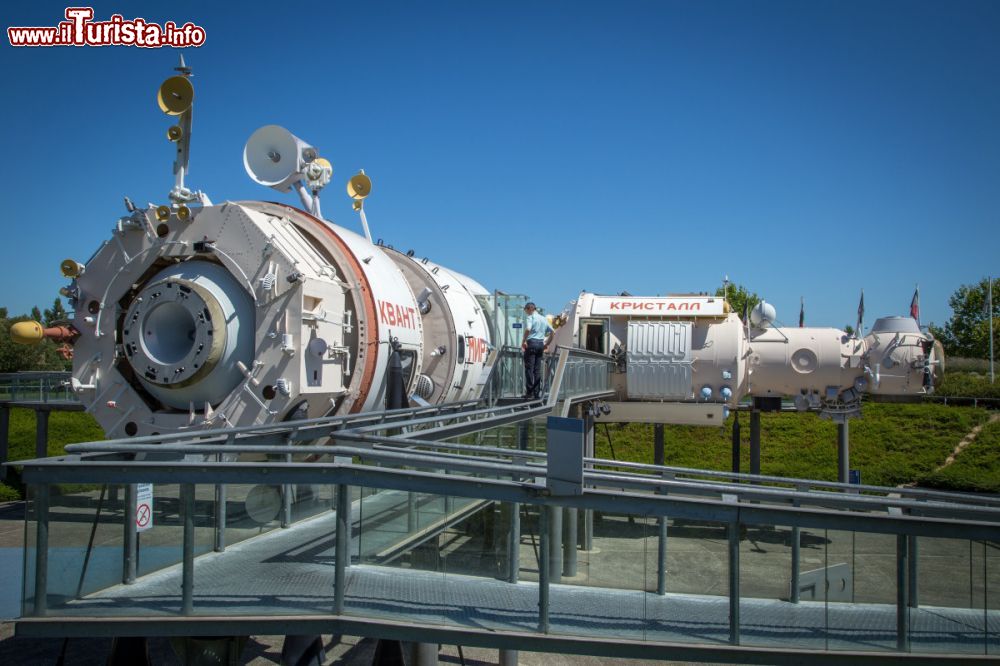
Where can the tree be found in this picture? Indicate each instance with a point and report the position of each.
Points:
(849, 329)
(17, 358)
(740, 298)
(56, 314)
(967, 333)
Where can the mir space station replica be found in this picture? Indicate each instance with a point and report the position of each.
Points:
(196, 315)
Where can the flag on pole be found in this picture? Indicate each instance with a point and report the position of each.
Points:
(859, 330)
(915, 305)
(802, 312)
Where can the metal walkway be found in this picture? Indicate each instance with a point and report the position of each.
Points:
(497, 527)
(271, 575)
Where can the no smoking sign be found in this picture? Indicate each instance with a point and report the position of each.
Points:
(143, 507)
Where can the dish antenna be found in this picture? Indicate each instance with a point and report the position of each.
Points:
(175, 97)
(359, 187)
(278, 159)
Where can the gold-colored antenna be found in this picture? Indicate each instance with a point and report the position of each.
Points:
(175, 96)
(358, 188)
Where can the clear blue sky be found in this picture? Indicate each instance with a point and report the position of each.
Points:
(803, 148)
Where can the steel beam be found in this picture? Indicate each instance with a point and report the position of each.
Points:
(187, 561)
(41, 501)
(220, 518)
(342, 551)
(755, 441)
(926, 518)
(130, 551)
(544, 546)
(554, 519)
(902, 594)
(736, 443)
(843, 452)
(602, 646)
(569, 541)
(513, 541)
(734, 582)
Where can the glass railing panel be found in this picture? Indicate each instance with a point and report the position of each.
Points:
(251, 510)
(986, 557)
(694, 606)
(771, 615)
(860, 579)
(601, 591)
(85, 537)
(947, 593)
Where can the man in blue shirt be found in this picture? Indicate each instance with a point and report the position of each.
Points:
(537, 335)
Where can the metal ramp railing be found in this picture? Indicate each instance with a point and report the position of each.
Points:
(921, 581)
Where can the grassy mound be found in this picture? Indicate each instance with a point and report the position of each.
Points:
(64, 428)
(891, 444)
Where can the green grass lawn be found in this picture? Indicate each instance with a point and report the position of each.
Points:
(976, 468)
(64, 428)
(891, 444)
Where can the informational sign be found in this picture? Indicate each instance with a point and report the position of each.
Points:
(688, 306)
(854, 476)
(143, 507)
(516, 324)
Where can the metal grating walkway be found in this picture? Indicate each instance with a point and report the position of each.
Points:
(291, 572)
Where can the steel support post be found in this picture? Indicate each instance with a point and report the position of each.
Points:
(912, 572)
(658, 454)
(220, 517)
(286, 499)
(508, 658)
(514, 542)
(588, 451)
(41, 433)
(130, 552)
(544, 545)
(569, 542)
(41, 549)
(734, 583)
(843, 452)
(342, 551)
(902, 593)
(796, 564)
(659, 457)
(736, 442)
(422, 654)
(555, 519)
(661, 557)
(187, 574)
(755, 441)
(4, 438)
(449, 501)
(411, 512)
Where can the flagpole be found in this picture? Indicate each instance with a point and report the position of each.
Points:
(992, 376)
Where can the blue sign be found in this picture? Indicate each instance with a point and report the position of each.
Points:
(516, 325)
(854, 476)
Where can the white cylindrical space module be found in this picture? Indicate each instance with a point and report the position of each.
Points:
(693, 349)
(253, 312)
